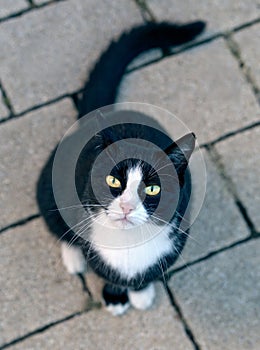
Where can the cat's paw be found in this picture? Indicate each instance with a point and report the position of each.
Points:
(73, 258)
(117, 309)
(142, 299)
(116, 300)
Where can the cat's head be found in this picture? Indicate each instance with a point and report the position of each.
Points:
(133, 191)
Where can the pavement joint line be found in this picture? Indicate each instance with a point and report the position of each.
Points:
(211, 254)
(217, 160)
(29, 9)
(235, 50)
(246, 25)
(146, 12)
(75, 99)
(6, 100)
(172, 53)
(41, 329)
(177, 51)
(179, 312)
(40, 105)
(195, 44)
(20, 222)
(230, 134)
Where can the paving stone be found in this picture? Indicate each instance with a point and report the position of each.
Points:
(11, 6)
(248, 41)
(157, 328)
(35, 288)
(54, 57)
(219, 16)
(203, 87)
(40, 2)
(220, 299)
(25, 146)
(242, 163)
(214, 227)
(3, 109)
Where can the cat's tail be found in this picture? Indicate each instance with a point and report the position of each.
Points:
(104, 79)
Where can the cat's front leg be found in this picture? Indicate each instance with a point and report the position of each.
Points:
(142, 299)
(116, 299)
(73, 258)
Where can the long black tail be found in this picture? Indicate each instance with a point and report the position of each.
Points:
(104, 79)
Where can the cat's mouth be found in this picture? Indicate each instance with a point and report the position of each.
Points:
(124, 222)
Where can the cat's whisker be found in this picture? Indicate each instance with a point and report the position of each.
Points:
(180, 255)
(176, 228)
(83, 229)
(163, 167)
(70, 207)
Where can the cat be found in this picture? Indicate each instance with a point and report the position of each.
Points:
(130, 235)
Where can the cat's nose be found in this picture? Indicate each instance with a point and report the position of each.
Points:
(126, 207)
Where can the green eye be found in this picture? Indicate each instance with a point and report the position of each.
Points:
(152, 190)
(113, 181)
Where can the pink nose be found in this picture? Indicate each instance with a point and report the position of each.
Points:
(126, 207)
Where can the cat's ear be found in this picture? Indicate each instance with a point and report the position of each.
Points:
(180, 151)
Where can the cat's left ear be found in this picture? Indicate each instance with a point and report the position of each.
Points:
(180, 151)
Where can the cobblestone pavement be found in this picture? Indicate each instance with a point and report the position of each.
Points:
(47, 48)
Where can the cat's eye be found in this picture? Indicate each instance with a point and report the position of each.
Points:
(113, 181)
(152, 190)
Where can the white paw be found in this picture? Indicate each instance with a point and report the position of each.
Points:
(142, 299)
(117, 309)
(73, 258)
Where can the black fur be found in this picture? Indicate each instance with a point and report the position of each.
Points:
(115, 295)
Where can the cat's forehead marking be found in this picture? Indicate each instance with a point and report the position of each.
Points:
(134, 177)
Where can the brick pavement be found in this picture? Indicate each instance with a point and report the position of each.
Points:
(213, 86)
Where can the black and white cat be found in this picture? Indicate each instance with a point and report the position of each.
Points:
(131, 235)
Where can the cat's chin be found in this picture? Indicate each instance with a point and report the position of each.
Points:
(123, 223)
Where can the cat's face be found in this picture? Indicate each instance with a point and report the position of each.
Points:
(132, 192)
(136, 192)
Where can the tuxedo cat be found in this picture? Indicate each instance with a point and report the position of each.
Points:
(129, 231)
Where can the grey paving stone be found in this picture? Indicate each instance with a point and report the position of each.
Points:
(54, 57)
(40, 2)
(203, 87)
(219, 16)
(220, 299)
(219, 222)
(242, 163)
(25, 146)
(7, 7)
(248, 41)
(3, 109)
(157, 328)
(35, 288)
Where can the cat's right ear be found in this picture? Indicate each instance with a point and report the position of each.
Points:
(105, 134)
(180, 151)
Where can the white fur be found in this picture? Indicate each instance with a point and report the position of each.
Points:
(73, 258)
(117, 309)
(131, 251)
(142, 299)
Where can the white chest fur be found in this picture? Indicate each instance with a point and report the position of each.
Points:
(131, 251)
